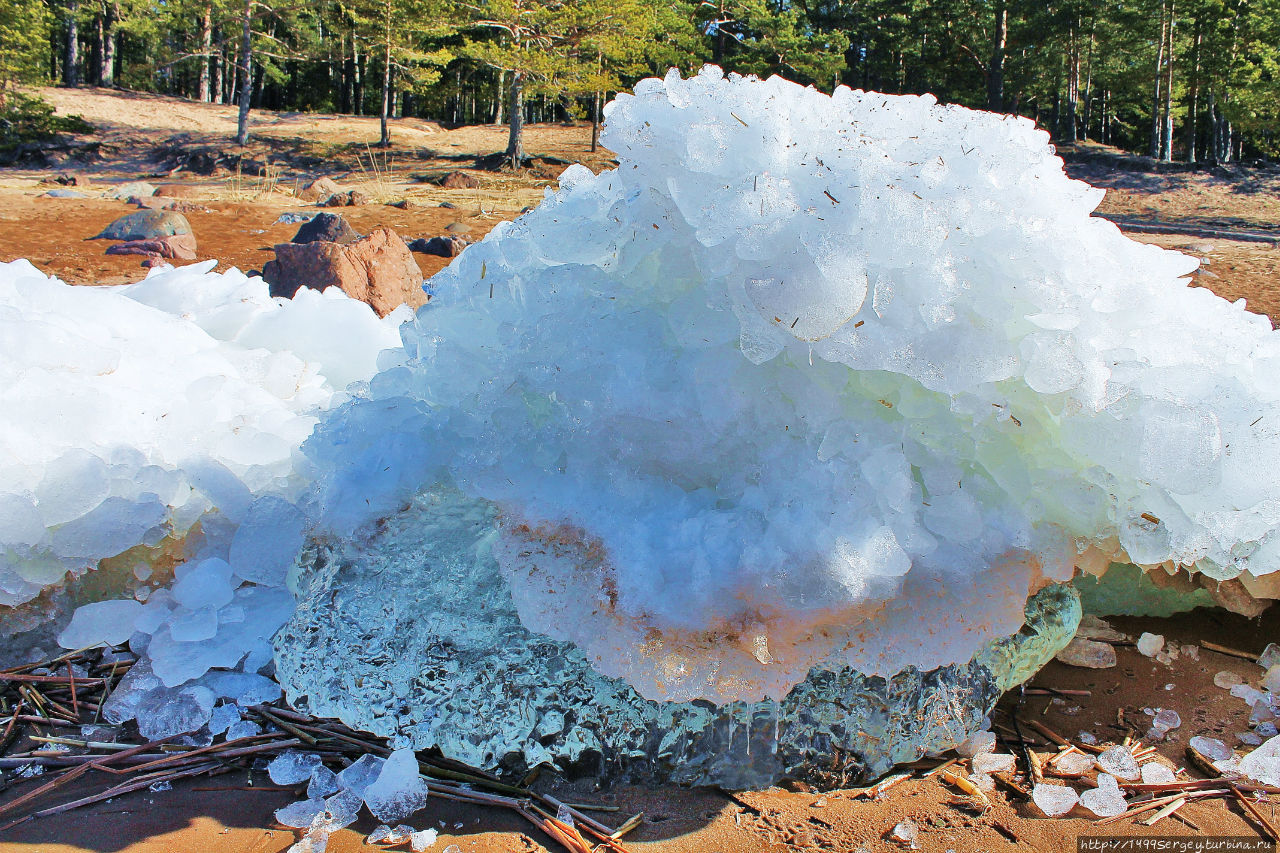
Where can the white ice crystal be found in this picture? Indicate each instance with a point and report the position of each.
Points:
(818, 378)
(132, 412)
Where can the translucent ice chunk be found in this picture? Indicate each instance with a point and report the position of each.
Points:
(1073, 765)
(421, 840)
(165, 712)
(1263, 764)
(1166, 719)
(1211, 748)
(343, 808)
(1150, 644)
(360, 774)
(243, 729)
(906, 833)
(1155, 773)
(292, 767)
(222, 718)
(1271, 681)
(1088, 654)
(323, 783)
(399, 790)
(1119, 762)
(977, 743)
(1270, 656)
(300, 814)
(109, 622)
(1106, 799)
(992, 762)
(1227, 679)
(1054, 800)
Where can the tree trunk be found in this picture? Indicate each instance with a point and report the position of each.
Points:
(500, 101)
(357, 75)
(206, 47)
(385, 141)
(245, 74)
(995, 66)
(1166, 145)
(219, 62)
(1193, 95)
(595, 120)
(515, 147)
(1155, 96)
(71, 64)
(110, 40)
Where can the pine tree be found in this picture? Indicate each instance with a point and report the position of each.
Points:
(407, 35)
(555, 47)
(24, 38)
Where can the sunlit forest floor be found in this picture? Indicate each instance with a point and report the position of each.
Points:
(142, 137)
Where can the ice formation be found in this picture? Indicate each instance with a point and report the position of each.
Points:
(134, 412)
(811, 394)
(805, 374)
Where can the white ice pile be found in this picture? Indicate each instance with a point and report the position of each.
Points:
(817, 379)
(133, 412)
(163, 419)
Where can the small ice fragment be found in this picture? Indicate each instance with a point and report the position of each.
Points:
(323, 783)
(1250, 695)
(1150, 645)
(453, 848)
(1266, 729)
(223, 718)
(1106, 799)
(159, 787)
(343, 808)
(1227, 679)
(1119, 762)
(243, 729)
(1087, 737)
(400, 833)
(360, 774)
(399, 790)
(380, 833)
(1073, 765)
(1054, 800)
(1211, 748)
(1155, 773)
(1249, 738)
(1271, 681)
(420, 841)
(992, 762)
(977, 743)
(1167, 719)
(300, 814)
(1270, 656)
(906, 833)
(1088, 654)
(1192, 652)
(1263, 764)
(292, 767)
(98, 622)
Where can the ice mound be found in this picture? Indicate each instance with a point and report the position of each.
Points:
(134, 412)
(817, 380)
(412, 633)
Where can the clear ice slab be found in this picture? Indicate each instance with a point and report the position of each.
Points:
(413, 634)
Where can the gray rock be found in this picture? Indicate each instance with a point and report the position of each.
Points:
(133, 188)
(412, 633)
(326, 228)
(146, 225)
(449, 246)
